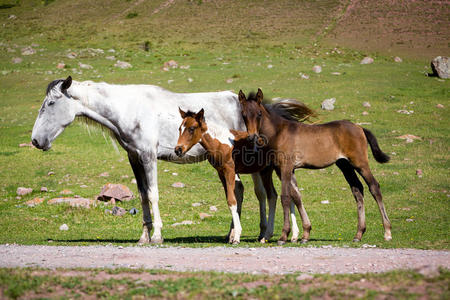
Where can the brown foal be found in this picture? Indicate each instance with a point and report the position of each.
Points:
(297, 145)
(233, 155)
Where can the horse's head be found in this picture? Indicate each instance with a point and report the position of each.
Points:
(191, 130)
(252, 112)
(58, 111)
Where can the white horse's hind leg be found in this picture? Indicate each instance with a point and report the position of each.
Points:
(260, 193)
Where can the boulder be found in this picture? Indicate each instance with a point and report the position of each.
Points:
(440, 67)
(115, 191)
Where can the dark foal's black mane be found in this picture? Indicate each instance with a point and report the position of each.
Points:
(289, 109)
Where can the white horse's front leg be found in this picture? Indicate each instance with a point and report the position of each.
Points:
(153, 196)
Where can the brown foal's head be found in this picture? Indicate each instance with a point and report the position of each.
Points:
(191, 130)
(252, 113)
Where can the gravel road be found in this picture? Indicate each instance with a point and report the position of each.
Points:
(273, 260)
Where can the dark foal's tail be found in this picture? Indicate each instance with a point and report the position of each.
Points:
(379, 155)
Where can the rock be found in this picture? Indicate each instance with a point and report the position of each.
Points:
(229, 80)
(419, 173)
(28, 51)
(269, 66)
(325, 202)
(115, 191)
(71, 55)
(204, 215)
(303, 76)
(366, 60)
(74, 202)
(104, 174)
(26, 145)
(317, 69)
(108, 211)
(175, 174)
(409, 220)
(441, 67)
(61, 66)
(190, 80)
(178, 185)
(196, 204)
(409, 138)
(133, 181)
(17, 60)
(122, 65)
(85, 66)
(64, 227)
(366, 104)
(398, 59)
(12, 17)
(112, 51)
(365, 113)
(185, 222)
(50, 173)
(304, 277)
(34, 202)
(185, 67)
(66, 192)
(83, 186)
(328, 104)
(439, 105)
(406, 112)
(110, 58)
(170, 81)
(22, 191)
(118, 211)
(336, 73)
(368, 246)
(44, 189)
(133, 211)
(213, 208)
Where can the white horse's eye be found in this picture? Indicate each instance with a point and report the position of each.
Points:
(51, 103)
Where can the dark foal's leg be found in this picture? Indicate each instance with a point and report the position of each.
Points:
(297, 197)
(358, 192)
(374, 188)
(239, 194)
(261, 195)
(286, 177)
(266, 176)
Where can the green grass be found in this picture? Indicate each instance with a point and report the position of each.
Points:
(132, 284)
(239, 46)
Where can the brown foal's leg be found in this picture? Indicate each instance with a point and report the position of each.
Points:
(227, 176)
(374, 188)
(358, 192)
(297, 197)
(286, 177)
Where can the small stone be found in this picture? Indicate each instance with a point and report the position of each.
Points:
(304, 276)
(26, 145)
(122, 65)
(190, 80)
(317, 69)
(44, 189)
(409, 138)
(185, 222)
(17, 60)
(170, 81)
(133, 181)
(439, 105)
(34, 202)
(366, 60)
(22, 191)
(133, 211)
(409, 220)
(61, 66)
(175, 174)
(50, 173)
(269, 66)
(83, 186)
(104, 174)
(398, 59)
(118, 211)
(368, 246)
(213, 208)
(108, 211)
(74, 202)
(64, 227)
(229, 80)
(171, 64)
(366, 104)
(406, 112)
(419, 173)
(85, 66)
(204, 215)
(178, 185)
(66, 192)
(28, 51)
(110, 57)
(336, 73)
(303, 76)
(112, 51)
(196, 204)
(12, 17)
(325, 202)
(365, 113)
(328, 104)
(71, 55)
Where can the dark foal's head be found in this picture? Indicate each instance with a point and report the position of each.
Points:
(252, 113)
(191, 130)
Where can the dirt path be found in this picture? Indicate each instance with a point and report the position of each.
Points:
(274, 260)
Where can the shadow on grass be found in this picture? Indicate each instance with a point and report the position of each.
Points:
(118, 241)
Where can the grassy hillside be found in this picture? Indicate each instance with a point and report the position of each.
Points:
(224, 45)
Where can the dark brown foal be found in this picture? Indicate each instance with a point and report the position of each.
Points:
(298, 145)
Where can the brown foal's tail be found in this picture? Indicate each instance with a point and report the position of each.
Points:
(379, 155)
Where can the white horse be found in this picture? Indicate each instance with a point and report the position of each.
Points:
(145, 121)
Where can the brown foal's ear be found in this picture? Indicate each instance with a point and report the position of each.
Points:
(239, 135)
(200, 116)
(241, 97)
(259, 96)
(182, 113)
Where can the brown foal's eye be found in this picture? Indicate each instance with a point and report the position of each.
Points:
(191, 129)
(259, 113)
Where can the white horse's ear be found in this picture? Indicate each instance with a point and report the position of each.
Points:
(200, 116)
(182, 113)
(241, 97)
(66, 84)
(259, 96)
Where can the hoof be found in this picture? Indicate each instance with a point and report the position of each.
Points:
(157, 241)
(235, 243)
(356, 240)
(387, 239)
(281, 243)
(303, 241)
(294, 240)
(263, 241)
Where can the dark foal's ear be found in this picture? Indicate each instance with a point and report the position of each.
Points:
(259, 96)
(66, 84)
(241, 97)
(200, 116)
(182, 113)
